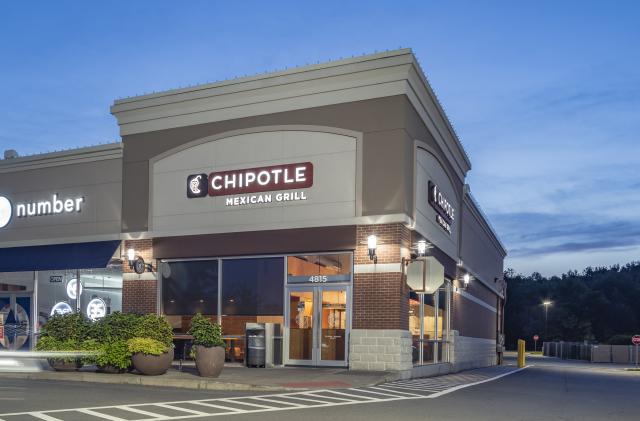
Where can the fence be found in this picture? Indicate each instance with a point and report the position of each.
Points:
(620, 354)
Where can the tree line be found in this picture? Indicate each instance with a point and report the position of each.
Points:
(599, 305)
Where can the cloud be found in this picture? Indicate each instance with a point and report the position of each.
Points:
(578, 99)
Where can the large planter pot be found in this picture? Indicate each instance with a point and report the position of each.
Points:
(61, 365)
(209, 360)
(152, 365)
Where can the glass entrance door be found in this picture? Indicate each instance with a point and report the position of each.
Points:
(317, 325)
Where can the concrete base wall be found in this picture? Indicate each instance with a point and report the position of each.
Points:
(467, 352)
(380, 350)
(431, 370)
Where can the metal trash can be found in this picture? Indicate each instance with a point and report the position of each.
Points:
(255, 345)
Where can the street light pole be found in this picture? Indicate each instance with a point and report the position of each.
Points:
(546, 305)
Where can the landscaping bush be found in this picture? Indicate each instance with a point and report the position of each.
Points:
(154, 327)
(65, 332)
(147, 346)
(114, 353)
(205, 332)
(66, 327)
(114, 327)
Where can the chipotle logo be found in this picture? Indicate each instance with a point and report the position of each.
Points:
(251, 180)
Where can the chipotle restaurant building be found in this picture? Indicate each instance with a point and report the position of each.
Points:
(329, 200)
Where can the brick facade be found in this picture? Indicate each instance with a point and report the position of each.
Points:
(139, 292)
(381, 299)
(139, 296)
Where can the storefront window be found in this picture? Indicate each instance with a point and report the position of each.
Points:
(252, 292)
(100, 292)
(414, 326)
(189, 287)
(427, 323)
(319, 268)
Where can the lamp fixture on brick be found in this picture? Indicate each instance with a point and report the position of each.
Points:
(372, 244)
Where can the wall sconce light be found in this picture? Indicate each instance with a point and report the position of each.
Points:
(422, 248)
(466, 278)
(138, 264)
(131, 256)
(372, 244)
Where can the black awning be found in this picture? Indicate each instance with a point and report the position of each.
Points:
(58, 256)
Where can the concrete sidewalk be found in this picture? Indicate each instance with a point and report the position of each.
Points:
(232, 378)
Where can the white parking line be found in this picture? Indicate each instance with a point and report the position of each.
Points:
(179, 408)
(100, 415)
(396, 391)
(210, 405)
(276, 400)
(43, 416)
(462, 386)
(139, 411)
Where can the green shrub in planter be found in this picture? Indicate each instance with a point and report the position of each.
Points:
(49, 343)
(154, 327)
(65, 327)
(205, 332)
(208, 346)
(114, 327)
(66, 332)
(150, 356)
(147, 346)
(113, 355)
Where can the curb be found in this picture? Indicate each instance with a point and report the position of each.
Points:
(140, 380)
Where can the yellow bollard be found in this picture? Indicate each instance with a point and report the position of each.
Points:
(521, 346)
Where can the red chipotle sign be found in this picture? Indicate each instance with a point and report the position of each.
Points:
(251, 180)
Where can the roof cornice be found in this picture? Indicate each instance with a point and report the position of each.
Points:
(361, 78)
(67, 157)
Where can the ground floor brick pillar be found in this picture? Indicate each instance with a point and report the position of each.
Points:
(139, 292)
(380, 338)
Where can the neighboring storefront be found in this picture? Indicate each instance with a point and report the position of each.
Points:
(310, 199)
(59, 222)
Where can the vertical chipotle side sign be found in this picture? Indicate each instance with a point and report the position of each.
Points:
(445, 212)
(248, 181)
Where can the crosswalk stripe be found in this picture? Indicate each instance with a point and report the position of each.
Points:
(100, 415)
(394, 391)
(274, 399)
(332, 397)
(307, 399)
(179, 408)
(211, 405)
(398, 390)
(350, 394)
(139, 411)
(405, 387)
(235, 400)
(388, 394)
(43, 416)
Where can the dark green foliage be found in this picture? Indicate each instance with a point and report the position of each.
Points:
(146, 346)
(114, 353)
(593, 306)
(154, 327)
(115, 326)
(205, 332)
(107, 337)
(66, 327)
(67, 332)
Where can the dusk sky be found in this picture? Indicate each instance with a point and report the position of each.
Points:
(545, 97)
